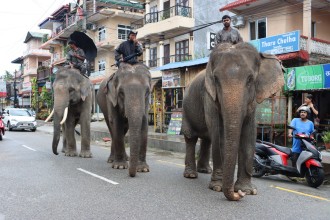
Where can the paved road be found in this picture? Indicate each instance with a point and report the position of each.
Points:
(35, 184)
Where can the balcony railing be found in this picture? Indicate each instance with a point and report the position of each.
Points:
(66, 23)
(169, 59)
(43, 73)
(177, 10)
(318, 46)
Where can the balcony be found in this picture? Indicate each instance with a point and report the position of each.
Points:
(104, 13)
(107, 43)
(36, 52)
(170, 59)
(170, 22)
(43, 74)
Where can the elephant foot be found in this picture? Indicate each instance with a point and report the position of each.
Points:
(120, 165)
(71, 153)
(111, 159)
(85, 154)
(190, 173)
(248, 188)
(216, 185)
(142, 167)
(63, 150)
(204, 169)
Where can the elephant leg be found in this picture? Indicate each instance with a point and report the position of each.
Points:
(118, 144)
(190, 169)
(203, 164)
(85, 151)
(142, 163)
(70, 139)
(245, 159)
(217, 154)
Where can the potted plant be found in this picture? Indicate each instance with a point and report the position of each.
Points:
(326, 140)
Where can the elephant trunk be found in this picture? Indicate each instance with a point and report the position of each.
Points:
(60, 106)
(233, 120)
(136, 118)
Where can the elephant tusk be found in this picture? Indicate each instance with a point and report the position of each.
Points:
(65, 115)
(49, 117)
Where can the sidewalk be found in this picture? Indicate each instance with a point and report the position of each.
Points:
(161, 141)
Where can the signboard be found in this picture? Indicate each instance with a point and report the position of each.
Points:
(171, 79)
(26, 86)
(210, 37)
(3, 89)
(278, 44)
(174, 127)
(308, 77)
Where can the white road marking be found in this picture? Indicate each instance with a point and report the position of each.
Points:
(29, 148)
(97, 176)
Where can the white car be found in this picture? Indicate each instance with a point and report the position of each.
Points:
(20, 119)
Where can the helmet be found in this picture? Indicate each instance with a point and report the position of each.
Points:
(305, 108)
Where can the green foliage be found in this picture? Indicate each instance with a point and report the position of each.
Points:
(46, 97)
(8, 76)
(34, 92)
(42, 115)
(326, 137)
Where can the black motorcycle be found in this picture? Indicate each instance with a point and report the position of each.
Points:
(272, 159)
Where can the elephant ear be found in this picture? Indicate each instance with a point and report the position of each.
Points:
(112, 90)
(209, 81)
(85, 89)
(270, 78)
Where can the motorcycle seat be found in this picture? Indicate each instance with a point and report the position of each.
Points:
(283, 149)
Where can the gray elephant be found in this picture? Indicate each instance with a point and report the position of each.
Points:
(219, 107)
(72, 106)
(124, 101)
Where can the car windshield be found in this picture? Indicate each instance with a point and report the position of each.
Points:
(16, 112)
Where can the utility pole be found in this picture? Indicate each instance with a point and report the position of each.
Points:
(84, 21)
(15, 92)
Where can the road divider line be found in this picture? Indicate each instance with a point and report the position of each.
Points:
(28, 148)
(97, 176)
(300, 193)
(177, 164)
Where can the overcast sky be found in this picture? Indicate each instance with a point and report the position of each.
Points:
(18, 17)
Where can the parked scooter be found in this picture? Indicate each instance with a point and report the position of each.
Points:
(272, 159)
(2, 127)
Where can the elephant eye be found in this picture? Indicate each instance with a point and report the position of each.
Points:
(249, 81)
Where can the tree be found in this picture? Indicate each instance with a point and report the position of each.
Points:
(34, 93)
(8, 76)
(46, 97)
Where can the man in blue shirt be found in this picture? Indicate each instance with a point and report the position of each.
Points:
(302, 125)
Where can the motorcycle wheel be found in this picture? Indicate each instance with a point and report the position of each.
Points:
(258, 170)
(315, 177)
(9, 126)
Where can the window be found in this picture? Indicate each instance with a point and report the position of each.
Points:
(313, 32)
(123, 31)
(101, 65)
(153, 57)
(182, 2)
(182, 50)
(101, 33)
(153, 14)
(258, 29)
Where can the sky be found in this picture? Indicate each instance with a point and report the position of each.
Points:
(18, 17)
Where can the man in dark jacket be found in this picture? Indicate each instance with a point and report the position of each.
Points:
(127, 48)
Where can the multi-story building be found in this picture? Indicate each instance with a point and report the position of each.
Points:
(106, 22)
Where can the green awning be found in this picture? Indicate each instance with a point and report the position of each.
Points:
(123, 3)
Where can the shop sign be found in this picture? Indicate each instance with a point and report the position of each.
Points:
(171, 79)
(278, 44)
(174, 128)
(3, 89)
(308, 77)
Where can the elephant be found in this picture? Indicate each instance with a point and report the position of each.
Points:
(124, 101)
(72, 106)
(219, 108)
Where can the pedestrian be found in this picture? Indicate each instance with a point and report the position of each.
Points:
(313, 109)
(302, 125)
(228, 34)
(76, 57)
(129, 48)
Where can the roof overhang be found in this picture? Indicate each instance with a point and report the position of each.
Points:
(301, 55)
(240, 5)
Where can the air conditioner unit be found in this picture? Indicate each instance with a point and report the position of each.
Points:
(238, 21)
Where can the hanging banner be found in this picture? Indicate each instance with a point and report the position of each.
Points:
(3, 89)
(171, 79)
(308, 77)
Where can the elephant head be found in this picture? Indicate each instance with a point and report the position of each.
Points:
(71, 89)
(129, 94)
(237, 78)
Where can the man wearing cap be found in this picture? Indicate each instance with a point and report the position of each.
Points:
(127, 48)
(76, 57)
(228, 34)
